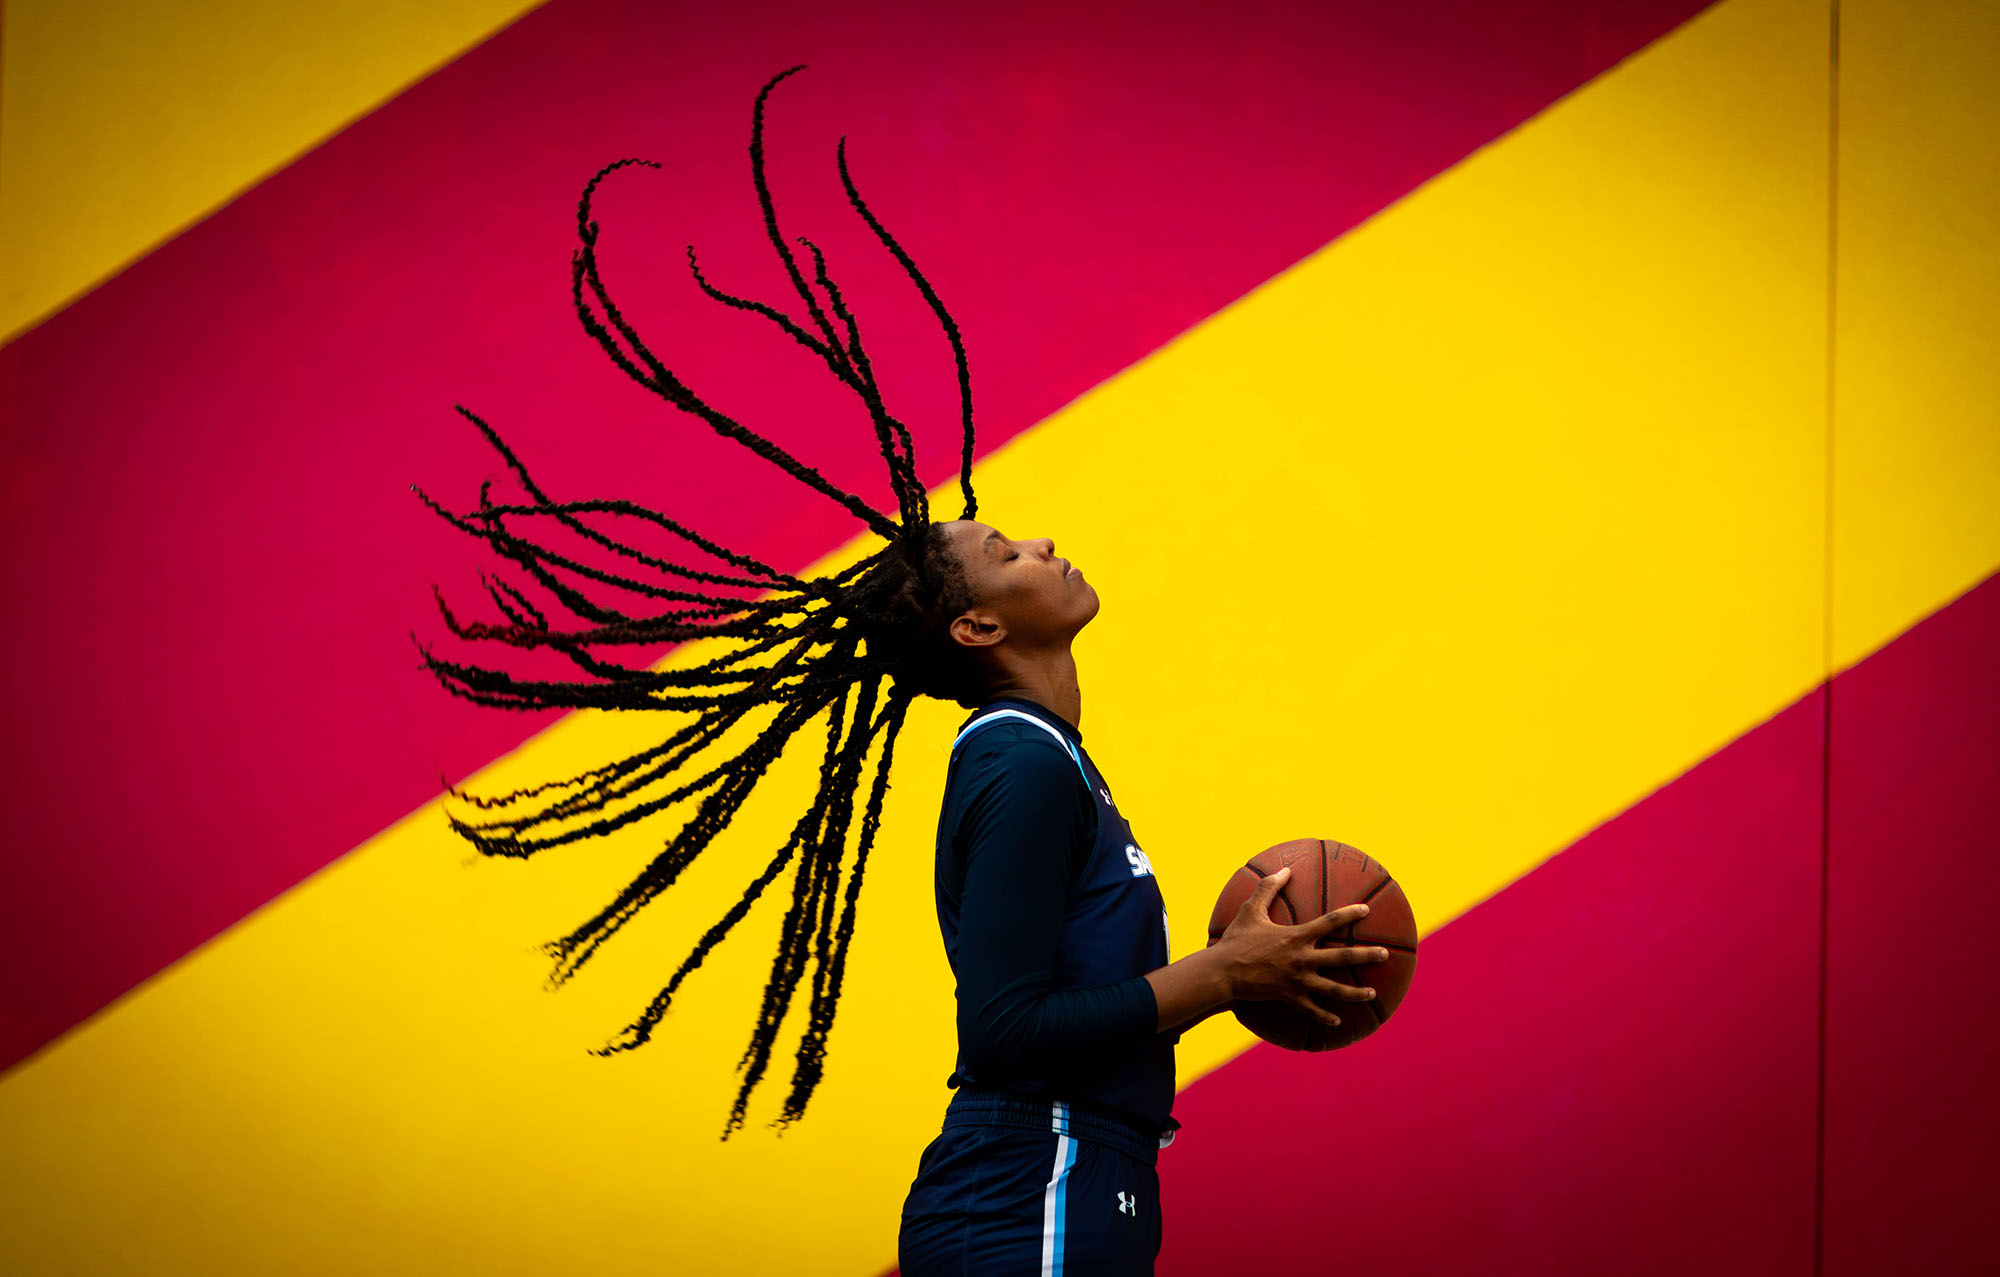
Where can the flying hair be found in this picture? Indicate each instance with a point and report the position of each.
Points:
(854, 647)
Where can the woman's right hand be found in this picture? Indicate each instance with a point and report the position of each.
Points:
(1266, 961)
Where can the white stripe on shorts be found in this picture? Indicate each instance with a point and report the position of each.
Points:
(1053, 1203)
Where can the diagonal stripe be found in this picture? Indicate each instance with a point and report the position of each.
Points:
(1503, 532)
(1413, 592)
(1916, 470)
(1909, 1122)
(121, 125)
(1619, 1042)
(1911, 1058)
(1624, 1040)
(207, 460)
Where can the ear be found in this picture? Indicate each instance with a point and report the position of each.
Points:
(977, 628)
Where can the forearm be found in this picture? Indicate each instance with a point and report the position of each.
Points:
(1023, 1030)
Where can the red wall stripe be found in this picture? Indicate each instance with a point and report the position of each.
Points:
(208, 542)
(1606, 1059)
(1913, 880)
(1650, 993)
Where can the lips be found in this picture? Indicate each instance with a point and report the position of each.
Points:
(1068, 567)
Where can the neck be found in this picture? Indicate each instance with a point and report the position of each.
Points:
(1047, 680)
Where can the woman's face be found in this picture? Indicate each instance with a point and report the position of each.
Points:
(1027, 596)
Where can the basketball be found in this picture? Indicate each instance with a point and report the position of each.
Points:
(1325, 876)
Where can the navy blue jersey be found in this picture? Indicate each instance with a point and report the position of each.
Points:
(1051, 918)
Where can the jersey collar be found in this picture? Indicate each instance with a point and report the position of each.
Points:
(1048, 716)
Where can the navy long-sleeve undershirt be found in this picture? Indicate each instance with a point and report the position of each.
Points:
(1021, 829)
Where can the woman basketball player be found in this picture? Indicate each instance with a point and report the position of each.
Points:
(1068, 1008)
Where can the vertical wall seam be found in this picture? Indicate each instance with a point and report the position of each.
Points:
(1826, 620)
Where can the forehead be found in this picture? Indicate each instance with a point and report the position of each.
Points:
(976, 545)
(971, 537)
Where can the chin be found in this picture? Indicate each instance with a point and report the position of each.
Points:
(1091, 611)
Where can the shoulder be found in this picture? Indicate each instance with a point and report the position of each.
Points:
(1015, 751)
(1013, 785)
(1013, 743)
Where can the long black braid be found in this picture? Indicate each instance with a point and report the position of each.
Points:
(856, 646)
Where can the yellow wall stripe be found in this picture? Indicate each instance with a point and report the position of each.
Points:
(1451, 542)
(1917, 423)
(122, 124)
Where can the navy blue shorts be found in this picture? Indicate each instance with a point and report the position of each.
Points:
(1019, 1188)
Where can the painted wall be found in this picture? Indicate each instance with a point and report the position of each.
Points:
(1549, 446)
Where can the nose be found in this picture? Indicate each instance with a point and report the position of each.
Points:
(1048, 545)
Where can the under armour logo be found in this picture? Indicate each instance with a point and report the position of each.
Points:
(1107, 796)
(1128, 1204)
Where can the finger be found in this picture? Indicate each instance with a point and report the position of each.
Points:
(1336, 919)
(1314, 1009)
(1266, 891)
(1336, 989)
(1347, 955)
